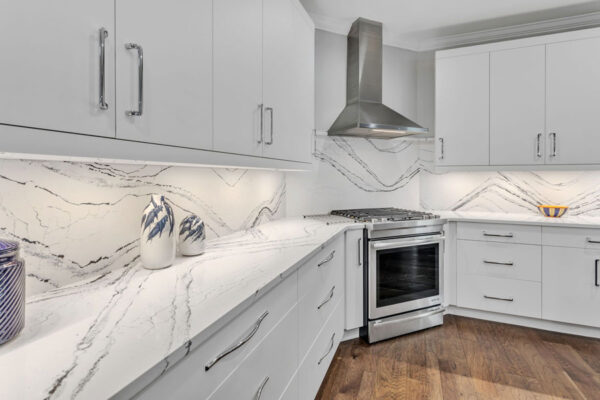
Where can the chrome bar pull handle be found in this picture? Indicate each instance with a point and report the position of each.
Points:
(596, 274)
(103, 33)
(140, 53)
(327, 259)
(498, 298)
(238, 344)
(508, 264)
(539, 145)
(261, 107)
(441, 148)
(270, 111)
(359, 251)
(328, 299)
(591, 241)
(504, 235)
(258, 394)
(328, 351)
(553, 136)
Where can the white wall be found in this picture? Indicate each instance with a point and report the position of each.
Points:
(355, 172)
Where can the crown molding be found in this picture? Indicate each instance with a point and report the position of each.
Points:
(589, 20)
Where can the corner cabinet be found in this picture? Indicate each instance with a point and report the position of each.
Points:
(532, 106)
(207, 82)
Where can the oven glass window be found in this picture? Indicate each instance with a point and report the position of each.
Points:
(407, 273)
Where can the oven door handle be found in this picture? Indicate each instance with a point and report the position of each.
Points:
(407, 243)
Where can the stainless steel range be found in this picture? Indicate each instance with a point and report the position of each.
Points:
(403, 269)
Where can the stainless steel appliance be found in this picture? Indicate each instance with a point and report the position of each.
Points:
(365, 115)
(403, 270)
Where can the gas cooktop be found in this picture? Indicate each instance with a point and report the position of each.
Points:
(390, 214)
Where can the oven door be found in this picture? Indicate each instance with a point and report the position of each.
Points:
(405, 275)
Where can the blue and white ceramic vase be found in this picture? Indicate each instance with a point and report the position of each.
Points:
(12, 291)
(157, 241)
(191, 236)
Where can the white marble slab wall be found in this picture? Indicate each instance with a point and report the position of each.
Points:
(77, 221)
(508, 192)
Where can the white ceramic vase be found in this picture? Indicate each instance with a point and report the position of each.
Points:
(157, 241)
(191, 236)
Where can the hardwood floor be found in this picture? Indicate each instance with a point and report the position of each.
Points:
(467, 359)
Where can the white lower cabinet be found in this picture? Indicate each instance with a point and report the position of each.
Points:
(278, 348)
(571, 285)
(317, 360)
(354, 279)
(266, 372)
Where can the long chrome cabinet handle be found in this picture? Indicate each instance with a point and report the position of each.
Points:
(237, 345)
(441, 148)
(596, 274)
(539, 145)
(508, 264)
(270, 111)
(140, 51)
(328, 299)
(258, 394)
(261, 107)
(498, 298)
(359, 251)
(328, 350)
(329, 258)
(553, 136)
(504, 235)
(102, 80)
(590, 240)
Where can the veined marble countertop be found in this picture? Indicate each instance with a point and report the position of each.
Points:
(113, 334)
(578, 221)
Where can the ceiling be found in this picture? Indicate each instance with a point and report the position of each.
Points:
(433, 24)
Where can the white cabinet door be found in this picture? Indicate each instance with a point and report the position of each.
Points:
(51, 65)
(354, 279)
(177, 72)
(573, 96)
(462, 110)
(237, 76)
(288, 80)
(570, 291)
(517, 114)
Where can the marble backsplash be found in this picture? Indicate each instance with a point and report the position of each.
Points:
(77, 221)
(507, 192)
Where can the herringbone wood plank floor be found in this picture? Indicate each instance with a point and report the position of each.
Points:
(467, 359)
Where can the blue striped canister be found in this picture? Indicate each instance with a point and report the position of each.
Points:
(12, 291)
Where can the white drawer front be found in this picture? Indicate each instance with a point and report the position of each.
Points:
(322, 288)
(571, 237)
(269, 368)
(190, 379)
(315, 364)
(505, 233)
(506, 296)
(501, 260)
(292, 391)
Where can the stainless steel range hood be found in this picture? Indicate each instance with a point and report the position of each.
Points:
(365, 115)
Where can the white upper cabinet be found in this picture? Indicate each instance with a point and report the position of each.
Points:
(52, 70)
(168, 75)
(517, 114)
(288, 80)
(462, 110)
(237, 76)
(573, 112)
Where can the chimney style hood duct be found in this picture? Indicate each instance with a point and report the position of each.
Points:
(365, 115)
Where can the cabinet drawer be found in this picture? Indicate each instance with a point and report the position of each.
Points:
(323, 288)
(583, 238)
(500, 260)
(317, 360)
(505, 233)
(269, 368)
(508, 296)
(190, 379)
(324, 263)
